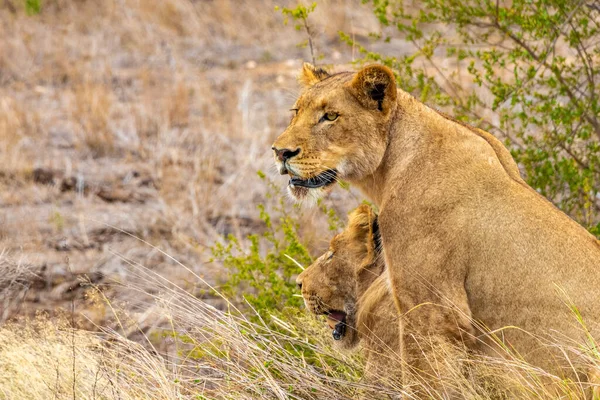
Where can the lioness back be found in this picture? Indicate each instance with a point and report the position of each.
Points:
(534, 286)
(526, 263)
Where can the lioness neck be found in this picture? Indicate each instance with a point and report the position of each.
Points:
(419, 136)
(406, 140)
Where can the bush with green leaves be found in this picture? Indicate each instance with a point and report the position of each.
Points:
(33, 7)
(299, 15)
(526, 70)
(260, 283)
(261, 275)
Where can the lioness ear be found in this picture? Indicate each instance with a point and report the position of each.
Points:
(311, 75)
(375, 87)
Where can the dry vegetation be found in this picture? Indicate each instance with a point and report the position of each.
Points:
(126, 125)
(130, 121)
(131, 133)
(208, 353)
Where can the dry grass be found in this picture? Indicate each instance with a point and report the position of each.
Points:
(17, 122)
(91, 108)
(128, 122)
(179, 106)
(222, 355)
(45, 360)
(16, 279)
(148, 116)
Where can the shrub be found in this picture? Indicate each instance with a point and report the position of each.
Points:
(531, 70)
(263, 274)
(33, 7)
(299, 15)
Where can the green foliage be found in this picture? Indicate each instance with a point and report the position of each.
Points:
(334, 222)
(299, 15)
(261, 283)
(525, 70)
(264, 272)
(33, 7)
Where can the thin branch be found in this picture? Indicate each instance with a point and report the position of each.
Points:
(588, 67)
(592, 120)
(310, 42)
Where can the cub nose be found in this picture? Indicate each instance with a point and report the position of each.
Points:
(285, 154)
(299, 281)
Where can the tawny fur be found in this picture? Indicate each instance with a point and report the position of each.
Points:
(467, 243)
(352, 279)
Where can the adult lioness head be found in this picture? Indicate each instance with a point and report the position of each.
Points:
(336, 281)
(338, 129)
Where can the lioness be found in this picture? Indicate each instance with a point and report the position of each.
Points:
(466, 241)
(346, 284)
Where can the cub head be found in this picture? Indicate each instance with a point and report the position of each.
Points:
(333, 284)
(338, 130)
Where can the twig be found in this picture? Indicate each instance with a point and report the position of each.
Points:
(71, 289)
(310, 42)
(73, 348)
(592, 120)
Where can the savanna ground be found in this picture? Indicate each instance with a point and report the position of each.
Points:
(131, 122)
(132, 134)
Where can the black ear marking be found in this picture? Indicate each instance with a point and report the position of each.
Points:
(375, 87)
(377, 93)
(377, 236)
(321, 73)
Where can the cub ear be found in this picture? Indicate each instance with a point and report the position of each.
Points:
(375, 87)
(360, 229)
(311, 74)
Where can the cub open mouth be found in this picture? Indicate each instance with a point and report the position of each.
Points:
(337, 321)
(323, 179)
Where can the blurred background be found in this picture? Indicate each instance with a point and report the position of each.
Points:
(126, 124)
(135, 134)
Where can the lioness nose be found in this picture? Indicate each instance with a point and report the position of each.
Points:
(285, 154)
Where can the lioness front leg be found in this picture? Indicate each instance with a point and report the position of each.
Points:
(426, 274)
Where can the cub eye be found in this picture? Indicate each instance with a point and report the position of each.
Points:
(330, 256)
(330, 116)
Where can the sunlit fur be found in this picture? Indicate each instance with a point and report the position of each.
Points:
(353, 280)
(346, 144)
(468, 244)
(341, 276)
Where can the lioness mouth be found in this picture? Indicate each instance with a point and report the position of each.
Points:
(337, 321)
(323, 179)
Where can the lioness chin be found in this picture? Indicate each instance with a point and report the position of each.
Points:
(467, 243)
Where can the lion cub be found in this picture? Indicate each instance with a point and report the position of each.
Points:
(348, 286)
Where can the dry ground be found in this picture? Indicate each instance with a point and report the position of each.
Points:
(130, 124)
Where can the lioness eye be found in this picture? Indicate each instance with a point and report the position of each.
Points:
(331, 253)
(330, 116)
